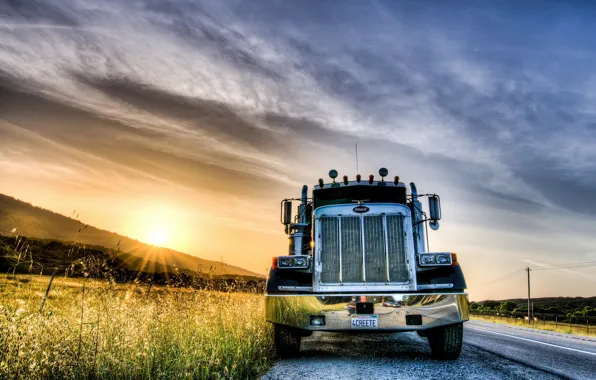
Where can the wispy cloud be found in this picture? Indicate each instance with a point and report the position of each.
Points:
(425, 88)
(496, 101)
(544, 266)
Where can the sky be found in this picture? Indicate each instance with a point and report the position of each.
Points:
(187, 122)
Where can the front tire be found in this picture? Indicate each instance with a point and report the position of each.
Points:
(445, 342)
(287, 341)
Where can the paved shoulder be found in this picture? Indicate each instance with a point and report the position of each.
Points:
(566, 356)
(581, 342)
(394, 356)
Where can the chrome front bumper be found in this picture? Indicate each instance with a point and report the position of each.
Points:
(437, 309)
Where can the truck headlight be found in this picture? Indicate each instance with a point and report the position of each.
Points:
(435, 259)
(443, 259)
(300, 261)
(284, 262)
(427, 259)
(291, 262)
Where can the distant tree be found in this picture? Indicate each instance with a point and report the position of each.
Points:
(507, 306)
(585, 312)
(552, 310)
(491, 305)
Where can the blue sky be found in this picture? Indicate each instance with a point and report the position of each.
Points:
(220, 109)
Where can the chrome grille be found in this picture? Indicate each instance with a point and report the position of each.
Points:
(363, 248)
(396, 250)
(350, 249)
(330, 229)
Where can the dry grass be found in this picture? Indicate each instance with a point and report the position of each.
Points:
(89, 329)
(564, 328)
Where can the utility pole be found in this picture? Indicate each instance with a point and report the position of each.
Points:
(529, 298)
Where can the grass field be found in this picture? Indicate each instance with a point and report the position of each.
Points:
(564, 328)
(90, 329)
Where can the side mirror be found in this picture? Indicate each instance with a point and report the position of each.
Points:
(434, 207)
(286, 207)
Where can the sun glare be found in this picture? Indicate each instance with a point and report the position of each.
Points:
(157, 237)
(161, 226)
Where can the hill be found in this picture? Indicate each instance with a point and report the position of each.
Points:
(25, 255)
(40, 223)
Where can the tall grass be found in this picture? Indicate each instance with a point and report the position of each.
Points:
(93, 329)
(560, 327)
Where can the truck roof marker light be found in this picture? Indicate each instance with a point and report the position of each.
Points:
(371, 179)
(333, 174)
(454, 259)
(346, 180)
(396, 180)
(321, 183)
(274, 263)
(358, 178)
(383, 172)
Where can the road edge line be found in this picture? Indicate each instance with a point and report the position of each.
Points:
(535, 341)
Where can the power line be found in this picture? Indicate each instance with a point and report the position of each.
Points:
(509, 276)
(528, 270)
(567, 266)
(501, 279)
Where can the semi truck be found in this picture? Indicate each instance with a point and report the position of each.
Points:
(359, 262)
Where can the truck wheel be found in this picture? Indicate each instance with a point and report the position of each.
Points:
(445, 342)
(287, 341)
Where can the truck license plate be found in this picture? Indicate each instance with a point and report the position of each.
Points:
(365, 321)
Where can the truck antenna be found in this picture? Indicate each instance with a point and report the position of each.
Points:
(357, 168)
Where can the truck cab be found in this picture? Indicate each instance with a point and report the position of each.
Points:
(358, 261)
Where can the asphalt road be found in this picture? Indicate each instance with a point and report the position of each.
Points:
(490, 351)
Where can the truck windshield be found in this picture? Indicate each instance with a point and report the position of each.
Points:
(369, 193)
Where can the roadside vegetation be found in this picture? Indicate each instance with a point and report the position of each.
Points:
(561, 307)
(569, 315)
(92, 328)
(95, 313)
(560, 327)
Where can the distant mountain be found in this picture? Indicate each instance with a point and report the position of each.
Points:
(40, 223)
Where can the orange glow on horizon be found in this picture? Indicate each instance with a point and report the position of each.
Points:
(161, 225)
(157, 237)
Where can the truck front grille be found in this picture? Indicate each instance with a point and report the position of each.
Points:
(359, 248)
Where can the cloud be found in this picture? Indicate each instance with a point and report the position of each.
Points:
(491, 102)
(166, 68)
(544, 266)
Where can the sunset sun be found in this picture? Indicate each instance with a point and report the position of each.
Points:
(157, 237)
(161, 224)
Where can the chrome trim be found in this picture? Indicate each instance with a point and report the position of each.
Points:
(354, 294)
(296, 288)
(368, 286)
(435, 286)
(341, 269)
(436, 309)
(387, 276)
(363, 248)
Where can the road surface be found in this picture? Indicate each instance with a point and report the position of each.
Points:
(490, 351)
